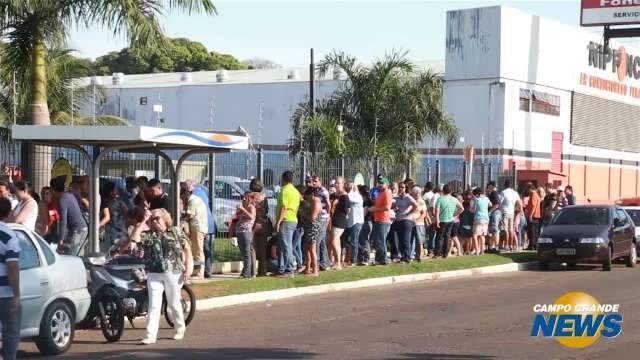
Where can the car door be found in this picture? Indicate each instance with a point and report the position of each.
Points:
(34, 282)
(622, 241)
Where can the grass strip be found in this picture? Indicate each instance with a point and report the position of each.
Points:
(244, 286)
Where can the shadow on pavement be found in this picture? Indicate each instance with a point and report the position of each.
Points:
(186, 354)
(444, 357)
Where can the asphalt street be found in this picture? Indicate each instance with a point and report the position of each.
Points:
(487, 317)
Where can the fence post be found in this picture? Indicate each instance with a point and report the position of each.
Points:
(514, 172)
(260, 164)
(342, 165)
(157, 168)
(490, 172)
(464, 175)
(482, 176)
(437, 175)
(407, 168)
(428, 172)
(25, 161)
(376, 166)
(211, 170)
(303, 167)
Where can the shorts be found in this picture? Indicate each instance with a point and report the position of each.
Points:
(420, 234)
(507, 223)
(480, 228)
(494, 222)
(465, 231)
(455, 229)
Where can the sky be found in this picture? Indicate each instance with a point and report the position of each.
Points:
(283, 31)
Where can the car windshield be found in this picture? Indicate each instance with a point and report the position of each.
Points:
(244, 185)
(635, 216)
(582, 216)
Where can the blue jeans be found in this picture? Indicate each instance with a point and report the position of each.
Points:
(379, 234)
(365, 242)
(444, 235)
(392, 240)
(353, 234)
(402, 230)
(321, 247)
(10, 321)
(297, 247)
(245, 243)
(285, 247)
(208, 252)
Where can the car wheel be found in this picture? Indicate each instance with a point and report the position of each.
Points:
(543, 265)
(633, 256)
(606, 264)
(57, 329)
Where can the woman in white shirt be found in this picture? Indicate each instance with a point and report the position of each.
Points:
(26, 212)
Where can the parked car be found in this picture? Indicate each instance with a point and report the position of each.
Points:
(634, 214)
(229, 191)
(588, 234)
(53, 293)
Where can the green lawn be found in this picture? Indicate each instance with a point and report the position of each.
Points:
(224, 251)
(232, 287)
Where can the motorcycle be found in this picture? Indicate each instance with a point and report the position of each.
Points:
(118, 289)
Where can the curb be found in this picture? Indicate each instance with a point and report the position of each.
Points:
(231, 300)
(226, 267)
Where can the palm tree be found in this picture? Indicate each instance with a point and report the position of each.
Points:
(389, 105)
(33, 27)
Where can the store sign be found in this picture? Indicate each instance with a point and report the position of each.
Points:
(609, 12)
(623, 65)
(618, 61)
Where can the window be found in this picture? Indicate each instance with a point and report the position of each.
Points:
(635, 216)
(546, 103)
(622, 216)
(226, 191)
(48, 253)
(28, 253)
(582, 216)
(525, 100)
(143, 100)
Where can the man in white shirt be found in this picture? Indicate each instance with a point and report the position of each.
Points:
(355, 219)
(508, 203)
(198, 220)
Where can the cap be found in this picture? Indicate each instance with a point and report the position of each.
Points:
(382, 179)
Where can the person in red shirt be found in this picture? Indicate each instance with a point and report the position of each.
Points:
(381, 211)
(532, 212)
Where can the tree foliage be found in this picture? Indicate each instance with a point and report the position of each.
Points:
(260, 64)
(405, 104)
(177, 55)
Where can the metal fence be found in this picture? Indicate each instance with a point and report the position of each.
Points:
(234, 170)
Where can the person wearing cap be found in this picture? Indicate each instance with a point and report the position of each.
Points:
(321, 250)
(381, 219)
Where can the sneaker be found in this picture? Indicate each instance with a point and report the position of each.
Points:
(207, 276)
(179, 335)
(147, 341)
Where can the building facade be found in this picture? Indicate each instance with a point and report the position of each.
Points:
(545, 98)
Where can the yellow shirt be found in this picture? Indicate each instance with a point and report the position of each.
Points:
(198, 211)
(290, 199)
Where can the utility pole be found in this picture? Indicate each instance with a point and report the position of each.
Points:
(312, 112)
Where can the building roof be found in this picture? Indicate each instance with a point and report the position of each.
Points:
(291, 74)
(134, 136)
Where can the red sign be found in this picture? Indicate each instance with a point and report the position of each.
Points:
(610, 12)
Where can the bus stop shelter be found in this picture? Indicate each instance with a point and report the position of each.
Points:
(131, 139)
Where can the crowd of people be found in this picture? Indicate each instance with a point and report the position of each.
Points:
(318, 228)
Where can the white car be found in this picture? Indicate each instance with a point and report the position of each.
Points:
(634, 213)
(53, 293)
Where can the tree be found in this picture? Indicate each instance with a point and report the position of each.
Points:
(388, 105)
(33, 27)
(260, 63)
(178, 55)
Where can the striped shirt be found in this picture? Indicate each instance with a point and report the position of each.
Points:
(9, 251)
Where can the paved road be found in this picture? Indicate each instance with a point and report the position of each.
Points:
(475, 318)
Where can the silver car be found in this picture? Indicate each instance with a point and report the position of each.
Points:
(53, 293)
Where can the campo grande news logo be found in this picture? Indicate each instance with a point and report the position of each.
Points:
(577, 320)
